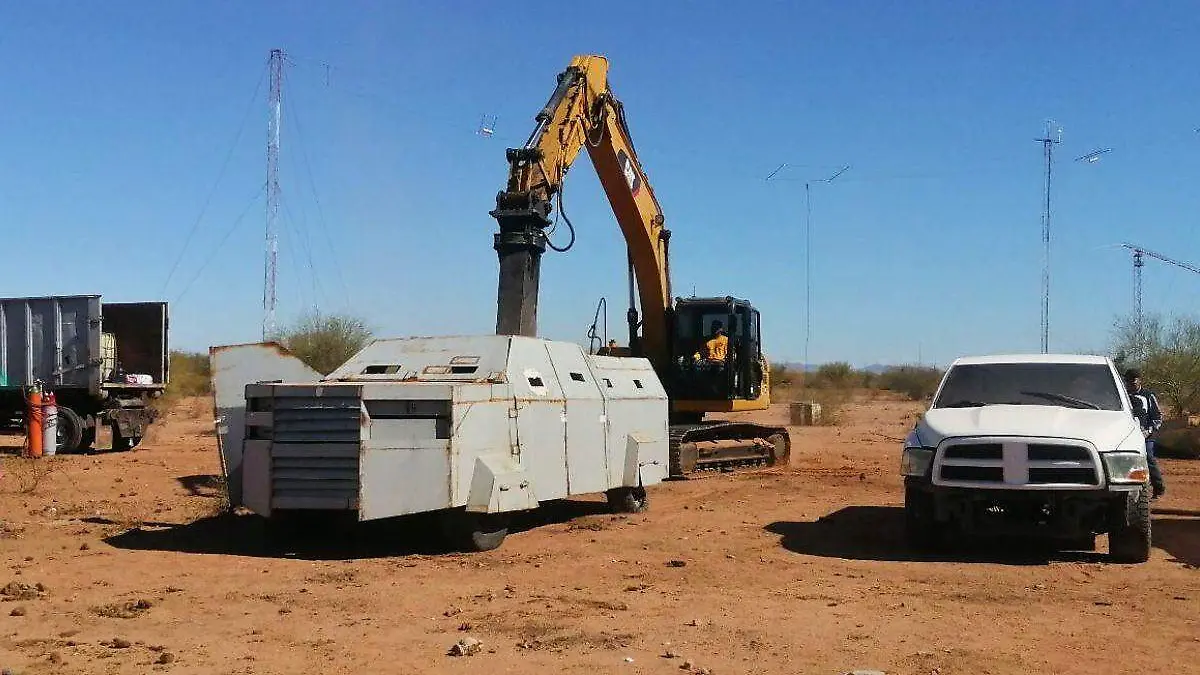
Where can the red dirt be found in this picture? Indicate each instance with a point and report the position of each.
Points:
(785, 571)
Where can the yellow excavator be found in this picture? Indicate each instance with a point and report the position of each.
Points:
(706, 350)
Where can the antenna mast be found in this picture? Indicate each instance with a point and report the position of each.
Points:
(1048, 143)
(274, 102)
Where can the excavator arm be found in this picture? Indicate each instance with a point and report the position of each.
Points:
(582, 112)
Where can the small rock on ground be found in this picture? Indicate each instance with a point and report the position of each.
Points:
(466, 647)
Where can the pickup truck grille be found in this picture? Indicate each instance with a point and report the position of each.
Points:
(1014, 464)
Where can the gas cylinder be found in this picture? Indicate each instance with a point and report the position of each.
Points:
(49, 424)
(33, 422)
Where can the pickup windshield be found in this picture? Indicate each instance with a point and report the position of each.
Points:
(1072, 385)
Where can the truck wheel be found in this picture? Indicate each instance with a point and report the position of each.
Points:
(627, 500)
(70, 430)
(781, 449)
(1130, 543)
(474, 532)
(920, 530)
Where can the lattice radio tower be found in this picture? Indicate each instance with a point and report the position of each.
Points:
(274, 102)
(1053, 136)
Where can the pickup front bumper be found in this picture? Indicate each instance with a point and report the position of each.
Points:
(1049, 513)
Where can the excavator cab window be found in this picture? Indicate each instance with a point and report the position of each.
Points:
(697, 376)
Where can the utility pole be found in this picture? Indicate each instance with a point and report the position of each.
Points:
(808, 258)
(1048, 142)
(274, 103)
(808, 248)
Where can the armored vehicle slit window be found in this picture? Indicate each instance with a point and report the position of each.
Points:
(578, 377)
(381, 369)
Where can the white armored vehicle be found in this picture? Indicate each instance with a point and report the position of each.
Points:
(473, 427)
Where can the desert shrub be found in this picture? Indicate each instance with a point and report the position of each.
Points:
(782, 375)
(325, 342)
(837, 375)
(915, 382)
(189, 374)
(1168, 354)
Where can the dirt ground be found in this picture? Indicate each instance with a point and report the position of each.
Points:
(118, 565)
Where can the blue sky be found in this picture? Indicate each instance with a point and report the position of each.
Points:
(118, 117)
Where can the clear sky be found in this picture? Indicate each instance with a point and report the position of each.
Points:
(116, 118)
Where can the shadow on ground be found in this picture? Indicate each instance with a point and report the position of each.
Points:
(1180, 538)
(877, 533)
(203, 485)
(325, 536)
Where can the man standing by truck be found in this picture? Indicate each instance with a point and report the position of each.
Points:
(1149, 415)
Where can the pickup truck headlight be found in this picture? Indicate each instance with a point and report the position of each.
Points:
(1126, 467)
(915, 461)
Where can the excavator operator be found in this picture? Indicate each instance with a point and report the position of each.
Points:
(718, 346)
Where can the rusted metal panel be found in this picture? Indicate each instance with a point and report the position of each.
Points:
(635, 406)
(480, 427)
(448, 359)
(587, 461)
(53, 339)
(402, 480)
(233, 368)
(541, 418)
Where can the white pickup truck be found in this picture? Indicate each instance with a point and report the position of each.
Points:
(1042, 445)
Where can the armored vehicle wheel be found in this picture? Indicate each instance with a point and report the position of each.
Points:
(627, 500)
(1129, 537)
(474, 532)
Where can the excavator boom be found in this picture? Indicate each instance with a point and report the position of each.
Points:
(582, 112)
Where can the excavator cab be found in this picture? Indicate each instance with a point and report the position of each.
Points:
(694, 376)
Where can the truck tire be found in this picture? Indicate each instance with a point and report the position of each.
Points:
(920, 529)
(70, 430)
(627, 500)
(474, 532)
(1130, 542)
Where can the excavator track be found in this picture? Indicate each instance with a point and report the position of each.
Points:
(719, 446)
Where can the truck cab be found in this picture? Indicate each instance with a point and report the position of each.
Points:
(1044, 445)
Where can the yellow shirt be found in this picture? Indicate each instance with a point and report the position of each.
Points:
(717, 348)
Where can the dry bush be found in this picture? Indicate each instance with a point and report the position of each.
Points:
(832, 401)
(1168, 354)
(915, 382)
(190, 376)
(29, 473)
(325, 342)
